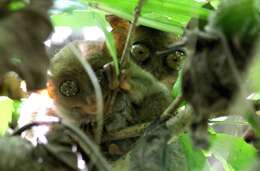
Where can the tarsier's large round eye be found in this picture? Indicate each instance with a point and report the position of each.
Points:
(69, 88)
(174, 60)
(140, 52)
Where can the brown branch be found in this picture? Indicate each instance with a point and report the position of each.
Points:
(172, 48)
(125, 56)
(171, 109)
(129, 132)
(176, 123)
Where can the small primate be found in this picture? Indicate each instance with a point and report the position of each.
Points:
(70, 86)
(148, 49)
(140, 96)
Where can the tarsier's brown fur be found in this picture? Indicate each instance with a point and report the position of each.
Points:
(165, 67)
(143, 99)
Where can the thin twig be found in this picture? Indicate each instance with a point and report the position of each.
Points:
(98, 92)
(33, 124)
(88, 147)
(171, 109)
(129, 132)
(125, 56)
(172, 48)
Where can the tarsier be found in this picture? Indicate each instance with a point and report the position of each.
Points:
(149, 49)
(140, 97)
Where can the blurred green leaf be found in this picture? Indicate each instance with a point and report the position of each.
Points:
(79, 19)
(233, 152)
(16, 5)
(254, 73)
(165, 15)
(76, 19)
(176, 89)
(6, 109)
(215, 3)
(254, 96)
(104, 25)
(122, 164)
(16, 113)
(196, 160)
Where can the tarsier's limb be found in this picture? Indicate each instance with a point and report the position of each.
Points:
(140, 96)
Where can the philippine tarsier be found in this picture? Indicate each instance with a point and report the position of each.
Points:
(149, 49)
(140, 97)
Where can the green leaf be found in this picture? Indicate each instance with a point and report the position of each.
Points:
(176, 89)
(122, 164)
(79, 19)
(254, 96)
(76, 19)
(196, 160)
(110, 43)
(6, 109)
(254, 73)
(17, 5)
(215, 3)
(16, 112)
(233, 152)
(165, 15)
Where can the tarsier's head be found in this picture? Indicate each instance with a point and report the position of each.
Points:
(150, 49)
(70, 86)
(146, 47)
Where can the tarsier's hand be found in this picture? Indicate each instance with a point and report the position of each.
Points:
(117, 81)
(111, 76)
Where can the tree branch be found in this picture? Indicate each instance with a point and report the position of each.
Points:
(129, 132)
(33, 124)
(171, 109)
(125, 56)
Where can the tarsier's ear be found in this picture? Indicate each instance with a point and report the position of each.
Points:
(117, 22)
(119, 31)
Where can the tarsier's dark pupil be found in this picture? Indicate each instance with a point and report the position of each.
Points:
(173, 60)
(140, 52)
(179, 53)
(69, 88)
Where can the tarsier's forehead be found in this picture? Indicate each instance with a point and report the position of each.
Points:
(91, 51)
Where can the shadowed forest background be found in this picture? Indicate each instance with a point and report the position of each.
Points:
(129, 85)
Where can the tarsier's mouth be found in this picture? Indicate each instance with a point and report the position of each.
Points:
(85, 112)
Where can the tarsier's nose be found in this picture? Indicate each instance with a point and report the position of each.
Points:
(90, 106)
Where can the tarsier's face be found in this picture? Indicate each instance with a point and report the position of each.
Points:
(146, 43)
(70, 86)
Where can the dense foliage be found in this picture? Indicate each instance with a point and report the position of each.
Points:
(215, 45)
